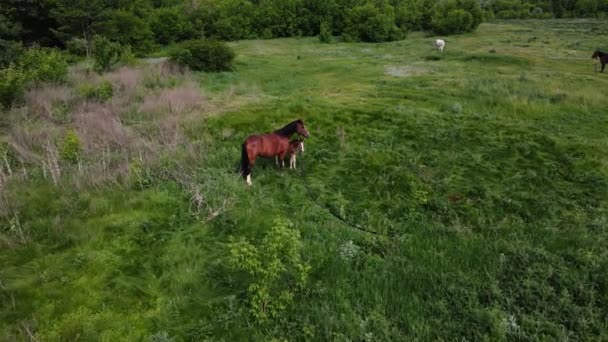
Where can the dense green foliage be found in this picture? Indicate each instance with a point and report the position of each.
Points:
(35, 65)
(12, 85)
(325, 33)
(371, 23)
(456, 16)
(145, 24)
(490, 169)
(100, 92)
(204, 55)
(44, 65)
(106, 53)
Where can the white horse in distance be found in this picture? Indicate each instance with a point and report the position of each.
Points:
(440, 44)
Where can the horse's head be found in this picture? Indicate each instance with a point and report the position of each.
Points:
(596, 54)
(301, 129)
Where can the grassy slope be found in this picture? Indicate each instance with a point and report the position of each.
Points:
(490, 168)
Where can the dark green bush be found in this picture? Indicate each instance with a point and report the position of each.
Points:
(44, 65)
(325, 32)
(70, 147)
(101, 92)
(12, 85)
(77, 46)
(105, 53)
(35, 65)
(171, 24)
(372, 23)
(456, 16)
(454, 21)
(203, 55)
(408, 15)
(10, 52)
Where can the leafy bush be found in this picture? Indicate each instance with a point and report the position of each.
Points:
(586, 8)
(77, 46)
(10, 51)
(106, 53)
(12, 85)
(456, 16)
(325, 32)
(537, 12)
(35, 65)
(454, 21)
(371, 23)
(129, 29)
(44, 65)
(171, 24)
(408, 15)
(102, 92)
(204, 55)
(273, 264)
(127, 57)
(70, 148)
(507, 14)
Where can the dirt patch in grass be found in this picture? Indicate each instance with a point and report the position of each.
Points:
(405, 70)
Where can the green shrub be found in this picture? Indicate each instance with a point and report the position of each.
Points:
(371, 23)
(129, 29)
(44, 65)
(273, 264)
(204, 55)
(171, 24)
(77, 46)
(12, 85)
(507, 14)
(10, 52)
(408, 15)
(102, 92)
(106, 53)
(456, 16)
(454, 21)
(127, 57)
(70, 148)
(325, 32)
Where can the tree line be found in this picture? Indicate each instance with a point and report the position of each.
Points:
(147, 24)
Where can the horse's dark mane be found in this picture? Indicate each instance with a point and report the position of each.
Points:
(289, 129)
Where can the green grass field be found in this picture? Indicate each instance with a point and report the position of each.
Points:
(488, 165)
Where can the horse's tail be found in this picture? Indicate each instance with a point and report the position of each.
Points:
(244, 161)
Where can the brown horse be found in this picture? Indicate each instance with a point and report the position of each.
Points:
(602, 56)
(268, 146)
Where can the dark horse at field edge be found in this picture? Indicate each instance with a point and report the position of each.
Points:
(275, 144)
(603, 56)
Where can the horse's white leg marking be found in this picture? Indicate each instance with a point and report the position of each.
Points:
(249, 180)
(283, 163)
(276, 160)
(302, 146)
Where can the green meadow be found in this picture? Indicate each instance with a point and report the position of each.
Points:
(484, 169)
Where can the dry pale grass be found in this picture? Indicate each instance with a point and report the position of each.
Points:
(42, 101)
(99, 125)
(112, 134)
(125, 79)
(28, 143)
(176, 101)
